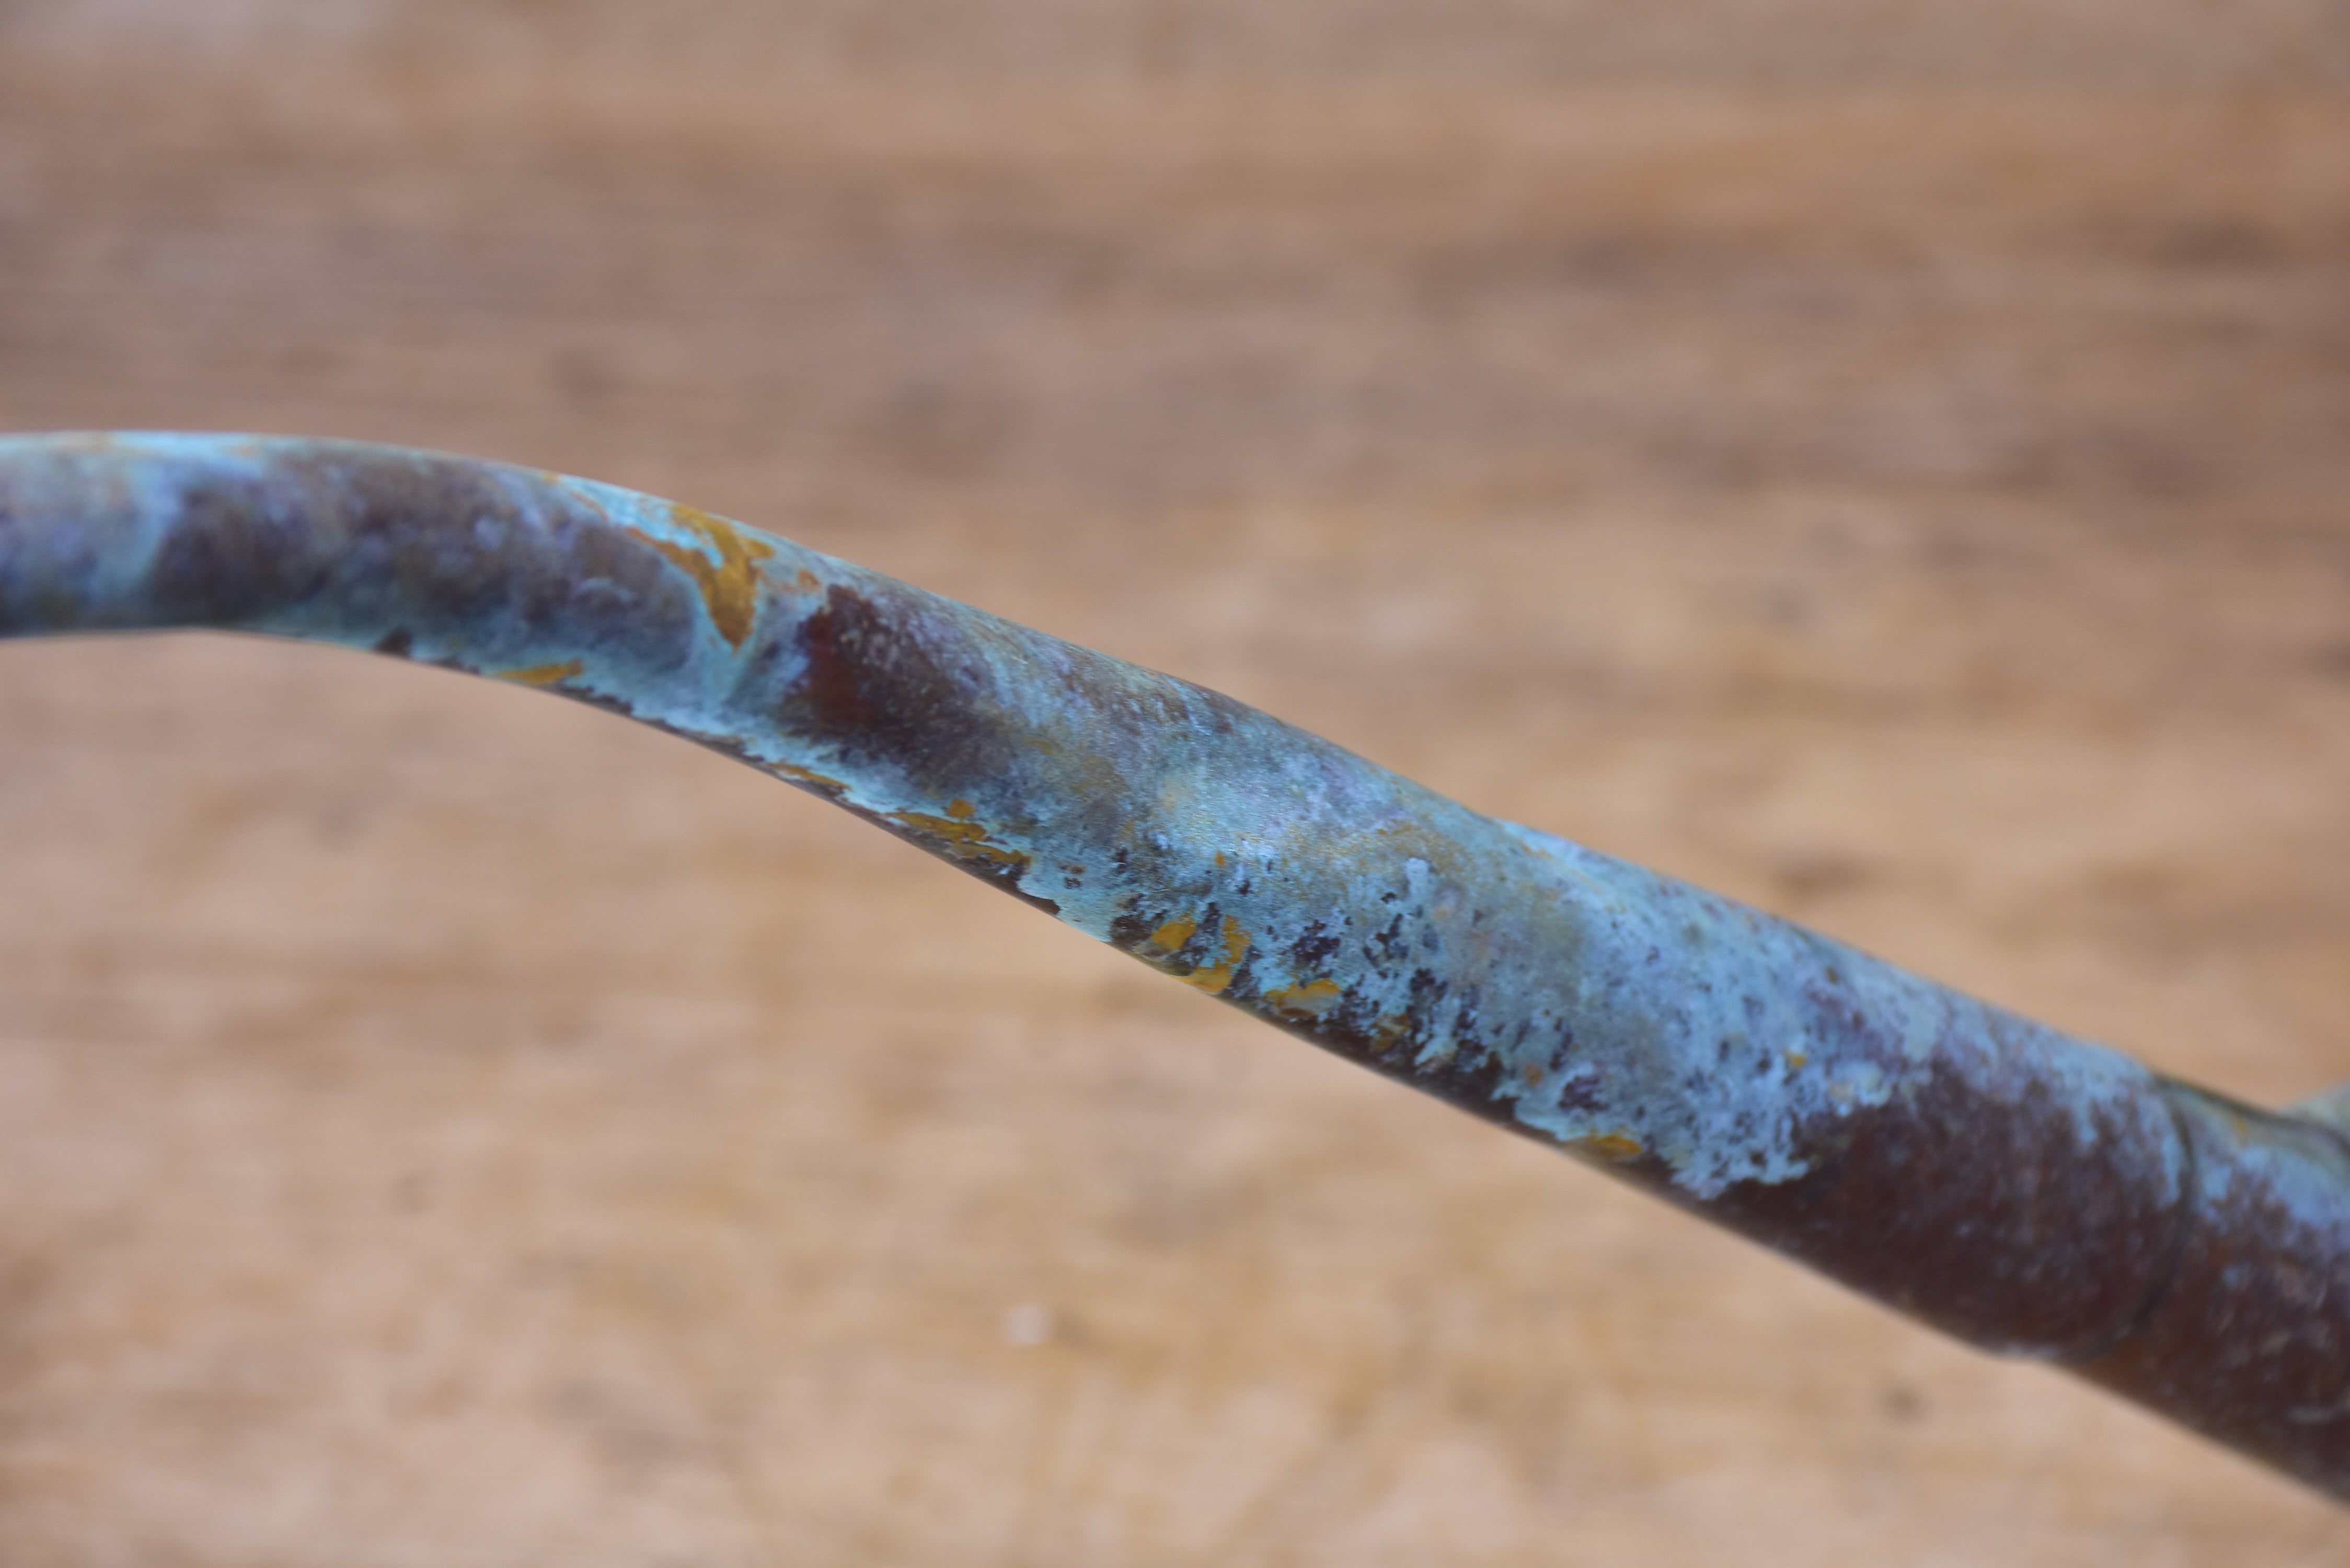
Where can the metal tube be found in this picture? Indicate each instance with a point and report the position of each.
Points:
(2031, 1193)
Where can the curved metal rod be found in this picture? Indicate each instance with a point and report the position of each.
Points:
(2029, 1193)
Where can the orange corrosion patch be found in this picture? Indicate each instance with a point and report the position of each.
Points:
(959, 836)
(1170, 936)
(1612, 1147)
(1312, 999)
(1214, 979)
(809, 776)
(729, 588)
(1796, 1059)
(961, 810)
(544, 674)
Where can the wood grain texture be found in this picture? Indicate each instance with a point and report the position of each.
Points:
(1884, 466)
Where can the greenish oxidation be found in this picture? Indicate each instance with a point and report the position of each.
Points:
(1601, 1003)
(2029, 1191)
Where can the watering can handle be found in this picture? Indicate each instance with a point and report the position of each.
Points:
(2031, 1193)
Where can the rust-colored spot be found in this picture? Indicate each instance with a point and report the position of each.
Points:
(798, 775)
(1220, 860)
(1611, 1146)
(960, 809)
(805, 581)
(1796, 1059)
(1214, 979)
(544, 674)
(1312, 999)
(1170, 936)
(729, 588)
(964, 839)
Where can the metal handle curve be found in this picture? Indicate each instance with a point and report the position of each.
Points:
(2029, 1193)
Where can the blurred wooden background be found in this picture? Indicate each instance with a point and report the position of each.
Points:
(1885, 461)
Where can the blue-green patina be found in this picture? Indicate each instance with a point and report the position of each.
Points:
(2030, 1191)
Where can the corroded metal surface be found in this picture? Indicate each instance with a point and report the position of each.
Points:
(2029, 1193)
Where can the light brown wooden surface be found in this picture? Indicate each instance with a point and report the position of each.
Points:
(1885, 461)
